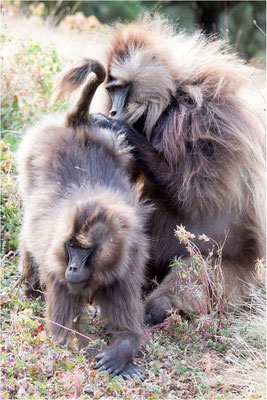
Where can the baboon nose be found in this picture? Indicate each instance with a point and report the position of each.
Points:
(112, 113)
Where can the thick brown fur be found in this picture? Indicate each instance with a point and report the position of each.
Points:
(75, 189)
(203, 158)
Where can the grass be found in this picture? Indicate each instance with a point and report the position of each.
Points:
(28, 69)
(183, 359)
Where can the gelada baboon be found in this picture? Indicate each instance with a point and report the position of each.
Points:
(198, 146)
(83, 224)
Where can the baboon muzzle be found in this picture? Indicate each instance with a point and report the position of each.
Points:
(78, 272)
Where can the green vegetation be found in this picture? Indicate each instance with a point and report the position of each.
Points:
(205, 356)
(28, 72)
(231, 19)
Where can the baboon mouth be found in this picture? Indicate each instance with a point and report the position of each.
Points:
(78, 285)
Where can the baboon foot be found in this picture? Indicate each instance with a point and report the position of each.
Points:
(157, 310)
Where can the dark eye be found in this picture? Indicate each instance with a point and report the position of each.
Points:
(110, 89)
(70, 243)
(122, 87)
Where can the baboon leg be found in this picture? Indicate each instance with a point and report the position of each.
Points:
(238, 280)
(65, 310)
(189, 293)
(121, 304)
(30, 271)
(170, 294)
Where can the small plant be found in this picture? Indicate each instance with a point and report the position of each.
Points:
(10, 201)
(200, 278)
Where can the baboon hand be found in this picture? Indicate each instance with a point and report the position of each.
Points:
(101, 120)
(114, 359)
(132, 371)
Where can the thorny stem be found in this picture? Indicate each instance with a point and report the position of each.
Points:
(56, 323)
(62, 326)
(36, 290)
(210, 286)
(220, 316)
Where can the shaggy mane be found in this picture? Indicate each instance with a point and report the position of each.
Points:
(201, 77)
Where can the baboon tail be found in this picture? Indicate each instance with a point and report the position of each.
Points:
(71, 79)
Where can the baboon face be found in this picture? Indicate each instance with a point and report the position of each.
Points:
(94, 248)
(119, 93)
(139, 84)
(126, 85)
(81, 248)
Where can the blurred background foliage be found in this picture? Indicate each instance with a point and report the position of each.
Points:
(242, 22)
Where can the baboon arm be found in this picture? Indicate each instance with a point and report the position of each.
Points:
(148, 160)
(63, 308)
(121, 303)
